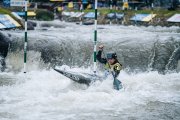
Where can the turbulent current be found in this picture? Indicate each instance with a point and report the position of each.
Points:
(150, 75)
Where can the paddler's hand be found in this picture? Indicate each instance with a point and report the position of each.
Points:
(101, 47)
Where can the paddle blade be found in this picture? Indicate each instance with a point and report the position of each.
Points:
(117, 84)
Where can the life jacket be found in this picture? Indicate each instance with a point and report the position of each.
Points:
(117, 66)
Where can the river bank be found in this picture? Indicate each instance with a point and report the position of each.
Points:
(160, 19)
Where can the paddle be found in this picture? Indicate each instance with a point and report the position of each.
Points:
(116, 82)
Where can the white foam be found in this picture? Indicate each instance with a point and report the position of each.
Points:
(49, 94)
(45, 94)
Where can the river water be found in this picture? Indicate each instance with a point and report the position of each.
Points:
(44, 94)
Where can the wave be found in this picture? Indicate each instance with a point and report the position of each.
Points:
(138, 48)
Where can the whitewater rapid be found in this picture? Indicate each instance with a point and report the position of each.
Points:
(138, 48)
(44, 94)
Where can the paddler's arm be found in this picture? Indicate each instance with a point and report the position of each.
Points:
(99, 55)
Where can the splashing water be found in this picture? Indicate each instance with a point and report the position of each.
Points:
(44, 95)
(137, 48)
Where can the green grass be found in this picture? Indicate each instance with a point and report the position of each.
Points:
(44, 15)
(4, 11)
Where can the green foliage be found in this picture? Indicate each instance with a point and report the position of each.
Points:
(44, 15)
(4, 11)
(102, 11)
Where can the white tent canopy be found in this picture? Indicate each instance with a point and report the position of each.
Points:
(2, 26)
(174, 18)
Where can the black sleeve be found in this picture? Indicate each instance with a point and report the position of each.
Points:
(99, 58)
